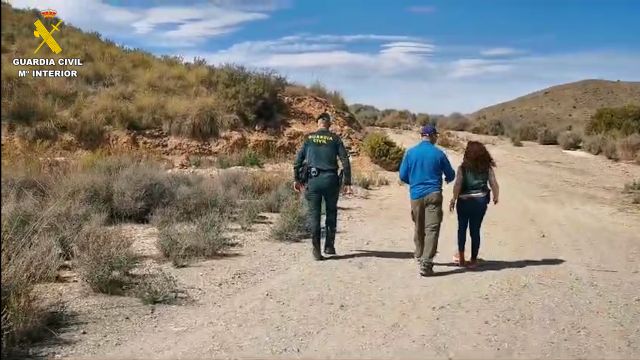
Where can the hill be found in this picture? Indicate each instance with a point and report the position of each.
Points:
(130, 98)
(567, 104)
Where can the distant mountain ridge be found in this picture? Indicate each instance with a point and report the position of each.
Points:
(571, 103)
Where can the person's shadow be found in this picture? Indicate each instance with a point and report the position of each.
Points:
(483, 265)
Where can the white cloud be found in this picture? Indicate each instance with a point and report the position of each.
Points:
(422, 9)
(252, 5)
(500, 51)
(171, 26)
(474, 67)
(433, 83)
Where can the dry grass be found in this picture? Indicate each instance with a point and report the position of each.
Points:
(369, 180)
(206, 238)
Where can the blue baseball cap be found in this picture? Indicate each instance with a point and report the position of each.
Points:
(428, 130)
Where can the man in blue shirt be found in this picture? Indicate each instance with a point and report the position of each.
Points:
(422, 168)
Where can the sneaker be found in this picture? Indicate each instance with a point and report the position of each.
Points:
(426, 270)
(330, 251)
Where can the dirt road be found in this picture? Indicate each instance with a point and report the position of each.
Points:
(561, 281)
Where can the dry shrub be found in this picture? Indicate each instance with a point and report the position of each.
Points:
(292, 225)
(628, 148)
(139, 190)
(206, 238)
(369, 180)
(45, 131)
(275, 200)
(105, 259)
(527, 131)
(569, 140)
(633, 189)
(516, 141)
(28, 258)
(610, 150)
(193, 197)
(193, 119)
(248, 215)
(548, 137)
(246, 158)
(594, 144)
(450, 141)
(383, 151)
(157, 288)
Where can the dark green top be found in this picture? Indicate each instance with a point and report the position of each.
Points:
(321, 150)
(474, 182)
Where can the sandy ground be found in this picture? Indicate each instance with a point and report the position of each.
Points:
(561, 281)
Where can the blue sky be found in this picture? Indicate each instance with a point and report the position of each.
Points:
(435, 56)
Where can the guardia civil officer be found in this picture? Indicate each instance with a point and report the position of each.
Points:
(316, 170)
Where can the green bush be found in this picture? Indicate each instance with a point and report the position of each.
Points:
(246, 158)
(383, 151)
(625, 120)
(569, 140)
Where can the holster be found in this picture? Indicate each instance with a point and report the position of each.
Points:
(303, 174)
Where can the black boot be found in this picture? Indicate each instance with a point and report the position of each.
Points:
(329, 247)
(316, 250)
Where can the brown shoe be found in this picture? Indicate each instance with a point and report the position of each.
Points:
(458, 259)
(472, 263)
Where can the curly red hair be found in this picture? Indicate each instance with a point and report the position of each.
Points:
(477, 157)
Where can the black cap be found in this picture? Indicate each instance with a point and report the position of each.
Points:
(324, 116)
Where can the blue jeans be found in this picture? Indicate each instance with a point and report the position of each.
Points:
(470, 214)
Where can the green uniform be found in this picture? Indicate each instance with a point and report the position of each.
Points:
(321, 151)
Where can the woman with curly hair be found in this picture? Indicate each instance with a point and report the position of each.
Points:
(475, 181)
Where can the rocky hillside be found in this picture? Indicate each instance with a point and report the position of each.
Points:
(130, 99)
(572, 103)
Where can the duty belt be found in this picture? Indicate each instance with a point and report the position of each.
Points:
(315, 171)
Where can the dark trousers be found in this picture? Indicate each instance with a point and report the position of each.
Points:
(471, 212)
(323, 187)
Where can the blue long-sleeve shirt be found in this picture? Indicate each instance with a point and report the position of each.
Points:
(423, 167)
